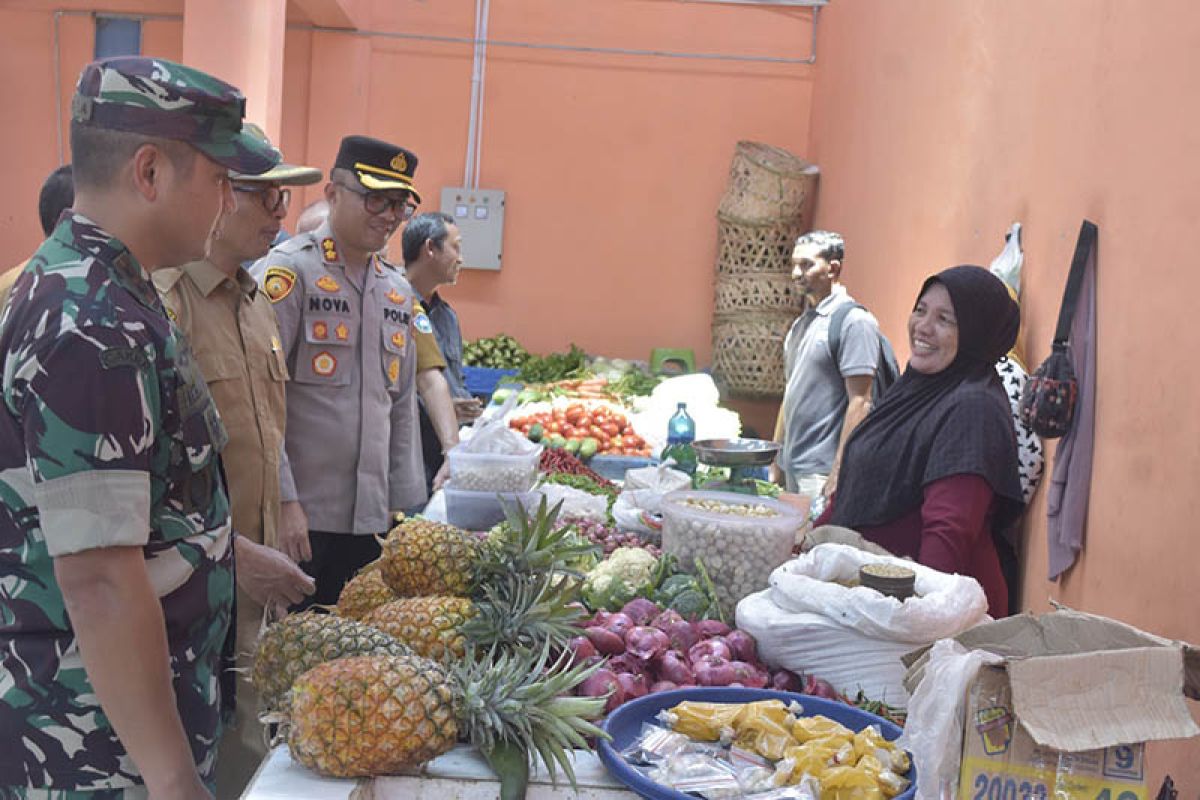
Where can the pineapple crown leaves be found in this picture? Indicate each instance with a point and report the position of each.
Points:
(533, 542)
(525, 611)
(521, 697)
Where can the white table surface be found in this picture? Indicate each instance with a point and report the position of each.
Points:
(461, 774)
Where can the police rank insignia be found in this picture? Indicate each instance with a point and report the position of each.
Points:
(341, 332)
(395, 296)
(278, 283)
(328, 284)
(324, 364)
(399, 163)
(329, 249)
(398, 338)
(320, 330)
(421, 322)
(394, 370)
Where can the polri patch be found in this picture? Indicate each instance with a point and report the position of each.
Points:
(395, 296)
(398, 339)
(421, 322)
(278, 283)
(320, 330)
(115, 357)
(327, 283)
(394, 370)
(341, 332)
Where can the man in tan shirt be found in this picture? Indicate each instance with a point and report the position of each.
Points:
(232, 330)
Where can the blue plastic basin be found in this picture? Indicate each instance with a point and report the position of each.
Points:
(625, 725)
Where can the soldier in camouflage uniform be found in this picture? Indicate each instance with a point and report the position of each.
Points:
(115, 539)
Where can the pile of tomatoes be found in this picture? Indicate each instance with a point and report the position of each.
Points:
(611, 429)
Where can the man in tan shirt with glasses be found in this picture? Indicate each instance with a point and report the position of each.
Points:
(232, 330)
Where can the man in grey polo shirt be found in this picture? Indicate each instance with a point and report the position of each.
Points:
(826, 397)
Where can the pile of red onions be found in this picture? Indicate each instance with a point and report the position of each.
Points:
(611, 538)
(651, 650)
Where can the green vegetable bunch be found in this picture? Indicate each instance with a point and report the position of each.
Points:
(554, 367)
(693, 596)
(499, 352)
(634, 383)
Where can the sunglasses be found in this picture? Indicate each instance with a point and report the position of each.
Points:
(377, 202)
(273, 198)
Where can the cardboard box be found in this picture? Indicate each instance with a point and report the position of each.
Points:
(1066, 713)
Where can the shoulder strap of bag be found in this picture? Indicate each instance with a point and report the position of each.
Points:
(1083, 250)
(835, 327)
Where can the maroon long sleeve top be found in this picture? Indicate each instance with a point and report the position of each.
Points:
(951, 531)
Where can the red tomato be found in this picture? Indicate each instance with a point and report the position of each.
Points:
(610, 429)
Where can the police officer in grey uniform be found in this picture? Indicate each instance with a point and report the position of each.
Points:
(352, 448)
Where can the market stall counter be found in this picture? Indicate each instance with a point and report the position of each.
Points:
(461, 774)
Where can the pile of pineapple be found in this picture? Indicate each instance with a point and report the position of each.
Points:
(445, 637)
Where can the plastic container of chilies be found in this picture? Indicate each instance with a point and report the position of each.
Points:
(739, 538)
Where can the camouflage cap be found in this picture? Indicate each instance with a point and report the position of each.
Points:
(156, 97)
(286, 174)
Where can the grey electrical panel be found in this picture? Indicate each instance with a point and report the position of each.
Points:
(479, 215)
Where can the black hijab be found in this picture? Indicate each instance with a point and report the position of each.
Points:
(930, 426)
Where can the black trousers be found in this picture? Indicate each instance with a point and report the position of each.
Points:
(336, 557)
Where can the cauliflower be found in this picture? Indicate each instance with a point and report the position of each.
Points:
(624, 575)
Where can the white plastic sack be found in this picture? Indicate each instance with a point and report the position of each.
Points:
(1007, 265)
(702, 398)
(575, 502)
(497, 437)
(659, 479)
(855, 637)
(934, 730)
(944, 606)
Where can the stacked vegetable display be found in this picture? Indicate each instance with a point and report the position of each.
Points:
(584, 430)
(498, 352)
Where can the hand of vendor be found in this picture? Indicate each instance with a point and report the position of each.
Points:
(268, 576)
(293, 532)
(467, 408)
(442, 476)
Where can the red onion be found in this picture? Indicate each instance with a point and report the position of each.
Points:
(619, 624)
(709, 647)
(600, 683)
(787, 681)
(641, 610)
(712, 627)
(748, 674)
(666, 619)
(605, 641)
(599, 619)
(625, 663)
(671, 667)
(631, 685)
(663, 686)
(582, 647)
(742, 645)
(819, 687)
(683, 635)
(646, 643)
(713, 671)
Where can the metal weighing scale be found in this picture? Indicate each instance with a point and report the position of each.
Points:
(744, 458)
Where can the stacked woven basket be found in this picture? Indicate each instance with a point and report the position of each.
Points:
(767, 204)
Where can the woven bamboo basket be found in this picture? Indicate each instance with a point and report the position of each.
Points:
(768, 183)
(748, 351)
(756, 247)
(757, 292)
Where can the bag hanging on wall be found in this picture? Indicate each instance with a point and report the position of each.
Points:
(1048, 400)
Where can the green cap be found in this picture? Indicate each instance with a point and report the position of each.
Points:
(156, 97)
(286, 174)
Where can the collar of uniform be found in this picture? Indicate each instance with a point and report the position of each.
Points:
(836, 296)
(207, 277)
(82, 234)
(434, 301)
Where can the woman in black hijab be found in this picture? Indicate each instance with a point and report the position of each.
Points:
(932, 472)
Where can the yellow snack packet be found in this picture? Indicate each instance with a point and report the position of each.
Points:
(806, 728)
(811, 758)
(705, 722)
(849, 783)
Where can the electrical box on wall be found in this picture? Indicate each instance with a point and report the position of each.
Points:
(479, 215)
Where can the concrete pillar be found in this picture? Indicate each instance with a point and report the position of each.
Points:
(241, 42)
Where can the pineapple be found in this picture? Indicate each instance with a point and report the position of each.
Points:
(365, 592)
(422, 558)
(379, 714)
(428, 558)
(431, 626)
(299, 642)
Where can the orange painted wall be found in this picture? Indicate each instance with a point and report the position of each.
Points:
(939, 122)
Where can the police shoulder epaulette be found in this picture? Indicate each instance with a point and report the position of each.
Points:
(295, 244)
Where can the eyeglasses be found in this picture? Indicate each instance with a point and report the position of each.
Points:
(377, 202)
(272, 198)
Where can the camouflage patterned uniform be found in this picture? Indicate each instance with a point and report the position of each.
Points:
(109, 438)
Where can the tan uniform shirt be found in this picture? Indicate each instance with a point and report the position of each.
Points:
(232, 330)
(429, 355)
(353, 442)
(8, 278)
